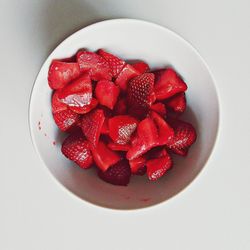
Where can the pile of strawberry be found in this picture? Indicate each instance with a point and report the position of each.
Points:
(120, 117)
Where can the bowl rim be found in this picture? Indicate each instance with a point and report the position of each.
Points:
(128, 21)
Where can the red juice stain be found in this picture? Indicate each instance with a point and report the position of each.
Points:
(54, 143)
(39, 125)
(145, 199)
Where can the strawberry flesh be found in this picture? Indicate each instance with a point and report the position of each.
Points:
(118, 147)
(121, 107)
(137, 165)
(177, 103)
(56, 103)
(86, 108)
(141, 67)
(159, 108)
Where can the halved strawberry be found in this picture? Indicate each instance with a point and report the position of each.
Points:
(107, 93)
(141, 67)
(157, 152)
(118, 174)
(141, 94)
(103, 156)
(127, 73)
(159, 108)
(77, 149)
(115, 63)
(66, 119)
(145, 139)
(95, 65)
(56, 104)
(156, 168)
(92, 124)
(165, 132)
(85, 109)
(167, 84)
(121, 128)
(177, 103)
(78, 93)
(138, 165)
(118, 147)
(121, 106)
(61, 73)
(184, 137)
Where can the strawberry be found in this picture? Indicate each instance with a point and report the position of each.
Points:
(141, 94)
(121, 106)
(145, 139)
(118, 174)
(127, 73)
(137, 165)
(66, 119)
(105, 127)
(107, 93)
(56, 104)
(78, 93)
(92, 124)
(121, 128)
(95, 65)
(61, 73)
(165, 132)
(177, 103)
(167, 84)
(86, 108)
(115, 63)
(157, 167)
(141, 67)
(118, 147)
(103, 156)
(77, 149)
(156, 153)
(184, 137)
(159, 108)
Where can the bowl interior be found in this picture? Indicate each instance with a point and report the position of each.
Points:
(130, 39)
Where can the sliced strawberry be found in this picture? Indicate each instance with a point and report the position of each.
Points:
(127, 73)
(156, 153)
(145, 139)
(115, 63)
(118, 147)
(78, 93)
(121, 107)
(167, 84)
(156, 168)
(95, 65)
(107, 93)
(159, 108)
(61, 73)
(138, 165)
(177, 103)
(165, 132)
(121, 128)
(118, 174)
(85, 109)
(66, 119)
(184, 137)
(77, 149)
(141, 67)
(141, 94)
(103, 156)
(105, 127)
(56, 104)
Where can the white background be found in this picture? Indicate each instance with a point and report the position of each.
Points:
(212, 213)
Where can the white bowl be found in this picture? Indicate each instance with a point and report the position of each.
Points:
(160, 47)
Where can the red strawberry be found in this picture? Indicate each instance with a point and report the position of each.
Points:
(127, 73)
(105, 127)
(92, 124)
(167, 84)
(184, 137)
(145, 139)
(61, 73)
(107, 93)
(85, 109)
(118, 147)
(177, 103)
(141, 94)
(56, 104)
(115, 63)
(156, 153)
(121, 128)
(158, 167)
(141, 67)
(118, 174)
(66, 119)
(138, 165)
(159, 108)
(103, 156)
(165, 132)
(121, 107)
(78, 93)
(77, 149)
(95, 65)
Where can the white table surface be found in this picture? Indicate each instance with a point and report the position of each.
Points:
(38, 213)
